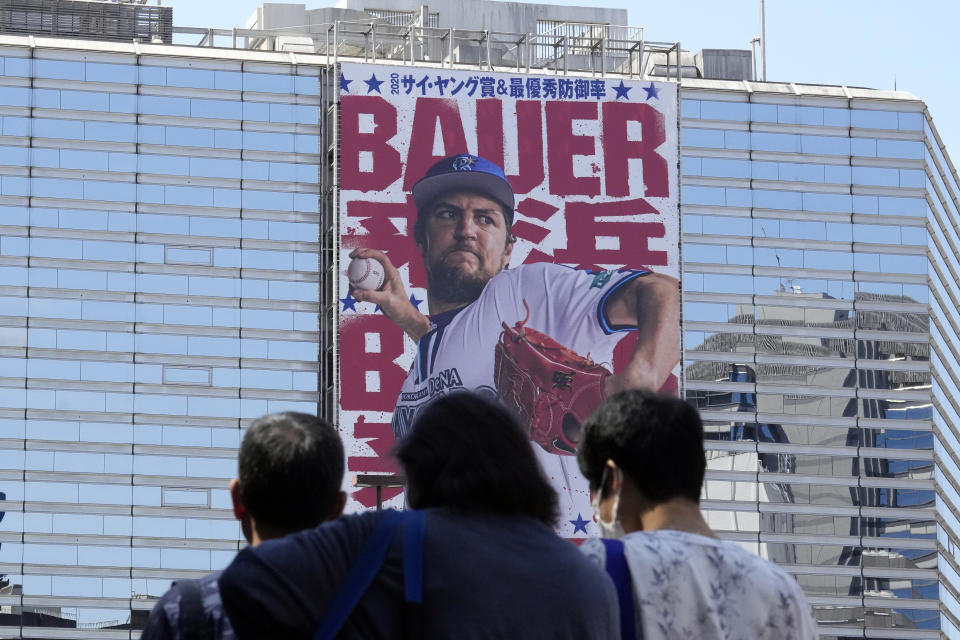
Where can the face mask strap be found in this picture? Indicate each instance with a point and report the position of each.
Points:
(603, 481)
(613, 528)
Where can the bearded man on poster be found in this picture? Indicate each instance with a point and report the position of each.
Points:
(491, 324)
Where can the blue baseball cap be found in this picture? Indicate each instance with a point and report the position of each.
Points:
(464, 172)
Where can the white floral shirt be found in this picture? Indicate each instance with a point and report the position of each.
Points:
(689, 586)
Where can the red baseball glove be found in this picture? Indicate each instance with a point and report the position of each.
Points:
(552, 388)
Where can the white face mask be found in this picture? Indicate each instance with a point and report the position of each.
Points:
(613, 528)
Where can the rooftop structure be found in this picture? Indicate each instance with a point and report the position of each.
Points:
(89, 19)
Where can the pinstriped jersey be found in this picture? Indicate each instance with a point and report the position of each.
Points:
(458, 352)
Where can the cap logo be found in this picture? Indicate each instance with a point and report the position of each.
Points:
(464, 163)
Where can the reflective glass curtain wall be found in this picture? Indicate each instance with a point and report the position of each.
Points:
(820, 325)
(159, 224)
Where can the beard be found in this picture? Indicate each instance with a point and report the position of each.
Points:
(451, 284)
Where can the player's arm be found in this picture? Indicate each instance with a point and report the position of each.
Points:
(392, 297)
(651, 303)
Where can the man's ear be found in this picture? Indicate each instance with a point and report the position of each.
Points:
(614, 479)
(419, 233)
(236, 495)
(338, 506)
(507, 252)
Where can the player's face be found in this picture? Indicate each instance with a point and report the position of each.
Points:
(464, 244)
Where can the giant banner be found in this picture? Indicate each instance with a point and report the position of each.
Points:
(511, 234)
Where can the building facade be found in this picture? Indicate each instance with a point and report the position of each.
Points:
(159, 274)
(166, 262)
(817, 253)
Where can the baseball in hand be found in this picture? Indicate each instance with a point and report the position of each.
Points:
(365, 273)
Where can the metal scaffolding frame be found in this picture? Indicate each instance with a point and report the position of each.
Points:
(567, 48)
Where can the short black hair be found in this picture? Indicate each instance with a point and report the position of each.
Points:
(420, 226)
(290, 471)
(657, 441)
(469, 453)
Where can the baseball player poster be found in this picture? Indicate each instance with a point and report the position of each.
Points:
(511, 234)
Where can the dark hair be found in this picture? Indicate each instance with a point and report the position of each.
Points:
(420, 226)
(657, 440)
(469, 453)
(290, 470)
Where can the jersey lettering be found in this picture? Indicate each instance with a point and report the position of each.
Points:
(446, 379)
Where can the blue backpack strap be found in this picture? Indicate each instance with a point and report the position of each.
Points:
(618, 570)
(414, 528)
(361, 575)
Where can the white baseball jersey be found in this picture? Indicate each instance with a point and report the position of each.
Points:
(458, 352)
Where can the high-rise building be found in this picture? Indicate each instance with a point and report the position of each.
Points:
(168, 267)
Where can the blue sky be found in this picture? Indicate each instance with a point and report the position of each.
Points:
(865, 43)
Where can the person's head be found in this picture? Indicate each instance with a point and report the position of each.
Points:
(643, 449)
(290, 471)
(464, 225)
(469, 453)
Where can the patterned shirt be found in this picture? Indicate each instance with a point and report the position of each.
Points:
(691, 586)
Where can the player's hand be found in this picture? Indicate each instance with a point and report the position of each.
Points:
(633, 378)
(391, 297)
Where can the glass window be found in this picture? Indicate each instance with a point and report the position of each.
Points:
(912, 149)
(715, 110)
(84, 100)
(307, 85)
(193, 78)
(152, 75)
(727, 168)
(810, 116)
(763, 112)
(702, 195)
(230, 80)
(796, 172)
(19, 67)
(215, 168)
(74, 159)
(49, 128)
(873, 119)
(170, 165)
(228, 139)
(223, 109)
(826, 145)
(690, 166)
(701, 137)
(190, 136)
(736, 139)
(123, 103)
(910, 121)
(262, 141)
(267, 83)
(775, 142)
(110, 131)
(828, 202)
(105, 72)
(13, 126)
(837, 174)
(777, 199)
(165, 106)
(15, 96)
(59, 69)
(876, 176)
(804, 229)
